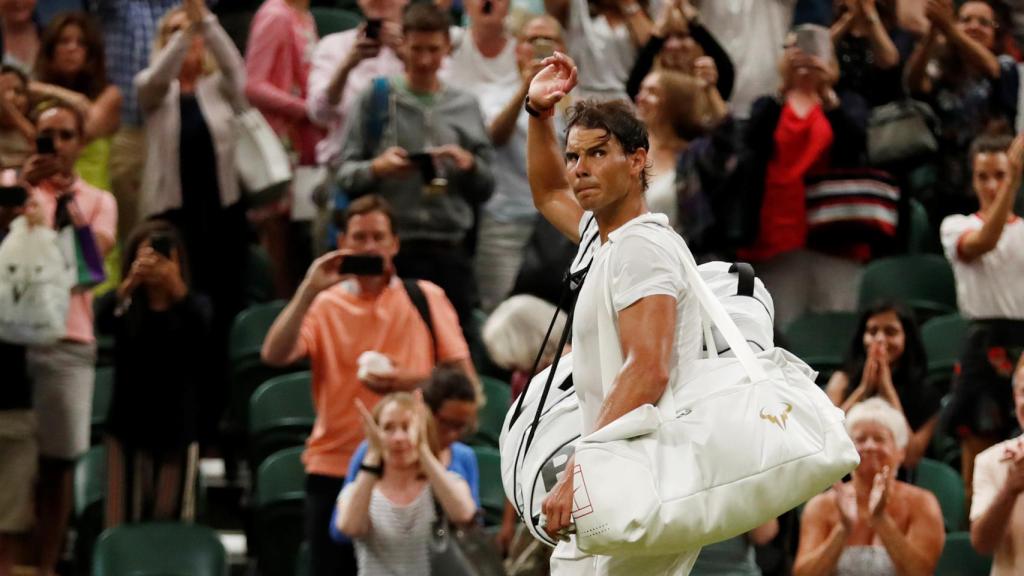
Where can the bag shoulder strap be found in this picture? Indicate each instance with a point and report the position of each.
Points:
(419, 300)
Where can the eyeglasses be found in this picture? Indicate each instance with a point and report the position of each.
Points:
(980, 20)
(453, 425)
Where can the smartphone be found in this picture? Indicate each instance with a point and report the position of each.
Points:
(542, 48)
(12, 196)
(488, 7)
(44, 145)
(373, 28)
(814, 41)
(362, 265)
(161, 244)
(424, 162)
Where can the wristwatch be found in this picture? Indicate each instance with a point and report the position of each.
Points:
(377, 470)
(542, 114)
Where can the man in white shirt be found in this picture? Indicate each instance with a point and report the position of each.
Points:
(636, 325)
(344, 65)
(997, 511)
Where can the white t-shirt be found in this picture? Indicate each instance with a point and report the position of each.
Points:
(752, 33)
(642, 258)
(991, 286)
(990, 473)
(604, 54)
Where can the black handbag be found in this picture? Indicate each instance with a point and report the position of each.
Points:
(461, 550)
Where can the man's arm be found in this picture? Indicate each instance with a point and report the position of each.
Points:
(282, 347)
(988, 530)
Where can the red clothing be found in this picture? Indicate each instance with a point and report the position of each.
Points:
(800, 145)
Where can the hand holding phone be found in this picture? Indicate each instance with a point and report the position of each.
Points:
(161, 244)
(44, 145)
(373, 26)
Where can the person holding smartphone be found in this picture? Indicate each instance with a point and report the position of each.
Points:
(365, 337)
(162, 359)
(63, 373)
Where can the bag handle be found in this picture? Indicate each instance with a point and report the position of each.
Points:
(721, 320)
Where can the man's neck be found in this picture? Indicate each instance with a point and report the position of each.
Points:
(614, 216)
(490, 38)
(424, 86)
(372, 286)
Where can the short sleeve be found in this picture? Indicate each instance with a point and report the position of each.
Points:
(309, 339)
(643, 267)
(451, 344)
(986, 481)
(464, 464)
(952, 231)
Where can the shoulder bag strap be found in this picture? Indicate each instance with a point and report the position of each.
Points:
(419, 300)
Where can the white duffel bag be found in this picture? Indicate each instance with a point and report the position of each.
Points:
(738, 442)
(529, 472)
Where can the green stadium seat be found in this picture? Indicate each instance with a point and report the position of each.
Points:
(89, 491)
(331, 20)
(943, 481)
(924, 282)
(278, 517)
(160, 549)
(102, 395)
(280, 416)
(943, 338)
(250, 327)
(492, 495)
(960, 559)
(259, 283)
(922, 237)
(492, 415)
(821, 340)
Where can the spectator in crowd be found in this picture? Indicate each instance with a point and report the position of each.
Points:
(873, 524)
(753, 33)
(162, 355)
(189, 95)
(496, 68)
(972, 88)
(345, 64)
(998, 482)
(17, 132)
(680, 42)
(986, 250)
(735, 556)
(887, 359)
(20, 33)
(787, 138)
(334, 319)
(71, 67)
(432, 161)
(677, 109)
(63, 373)
(129, 30)
(390, 508)
(604, 36)
(870, 48)
(515, 331)
(278, 60)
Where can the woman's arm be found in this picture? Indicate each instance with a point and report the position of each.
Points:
(153, 82)
(886, 54)
(643, 64)
(353, 506)
(916, 552)
(821, 539)
(919, 442)
(726, 71)
(232, 67)
(637, 20)
(450, 490)
(837, 386)
(104, 116)
(917, 66)
(977, 243)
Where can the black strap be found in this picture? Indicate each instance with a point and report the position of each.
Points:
(745, 283)
(419, 300)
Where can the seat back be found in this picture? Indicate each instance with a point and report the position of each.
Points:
(250, 328)
(160, 549)
(943, 481)
(923, 282)
(821, 339)
(281, 415)
(943, 339)
(492, 415)
(960, 559)
(89, 491)
(280, 496)
(492, 494)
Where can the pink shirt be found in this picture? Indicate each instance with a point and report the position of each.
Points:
(277, 64)
(99, 210)
(330, 53)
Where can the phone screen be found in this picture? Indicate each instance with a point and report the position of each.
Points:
(161, 244)
(362, 265)
(373, 28)
(424, 162)
(12, 196)
(814, 41)
(44, 145)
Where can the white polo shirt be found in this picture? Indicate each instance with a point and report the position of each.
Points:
(991, 286)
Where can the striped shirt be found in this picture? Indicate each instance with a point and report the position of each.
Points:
(397, 544)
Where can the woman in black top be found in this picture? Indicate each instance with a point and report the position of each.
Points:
(162, 362)
(887, 359)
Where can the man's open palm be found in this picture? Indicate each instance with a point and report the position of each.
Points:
(553, 82)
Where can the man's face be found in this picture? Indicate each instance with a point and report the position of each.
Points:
(599, 170)
(370, 233)
(424, 54)
(536, 39)
(61, 125)
(990, 172)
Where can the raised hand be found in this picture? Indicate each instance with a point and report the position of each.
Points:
(1014, 456)
(324, 272)
(704, 68)
(1015, 154)
(373, 433)
(553, 82)
(846, 503)
(879, 496)
(195, 10)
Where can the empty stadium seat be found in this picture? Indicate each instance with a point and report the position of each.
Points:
(278, 516)
(960, 559)
(492, 495)
(492, 415)
(821, 340)
(160, 549)
(923, 282)
(948, 487)
(280, 416)
(943, 339)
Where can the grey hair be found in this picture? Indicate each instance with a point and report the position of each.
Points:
(878, 410)
(515, 331)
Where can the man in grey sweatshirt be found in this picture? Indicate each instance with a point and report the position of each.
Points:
(424, 147)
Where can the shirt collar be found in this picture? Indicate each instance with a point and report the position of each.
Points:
(652, 218)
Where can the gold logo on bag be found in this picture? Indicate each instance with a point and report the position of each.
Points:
(780, 417)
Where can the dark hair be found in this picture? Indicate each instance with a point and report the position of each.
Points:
(615, 117)
(60, 105)
(886, 12)
(425, 17)
(144, 232)
(988, 144)
(365, 205)
(91, 80)
(9, 69)
(911, 368)
(447, 383)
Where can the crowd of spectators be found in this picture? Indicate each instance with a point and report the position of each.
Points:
(407, 134)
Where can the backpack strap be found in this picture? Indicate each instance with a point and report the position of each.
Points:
(375, 121)
(419, 300)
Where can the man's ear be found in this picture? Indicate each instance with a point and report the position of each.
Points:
(638, 162)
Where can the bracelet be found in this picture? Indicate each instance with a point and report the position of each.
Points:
(377, 470)
(542, 114)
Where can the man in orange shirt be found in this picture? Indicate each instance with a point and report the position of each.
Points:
(335, 319)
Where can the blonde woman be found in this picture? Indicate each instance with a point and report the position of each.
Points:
(189, 95)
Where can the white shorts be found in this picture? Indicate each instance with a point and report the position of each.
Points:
(567, 560)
